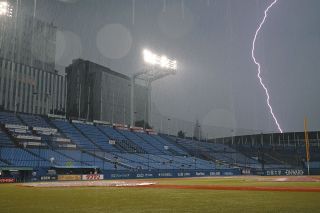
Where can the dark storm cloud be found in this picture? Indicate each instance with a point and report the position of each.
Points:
(217, 80)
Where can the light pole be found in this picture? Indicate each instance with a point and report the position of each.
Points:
(199, 139)
(112, 107)
(135, 115)
(169, 126)
(124, 107)
(157, 67)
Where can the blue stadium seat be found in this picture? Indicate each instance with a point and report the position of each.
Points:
(95, 135)
(9, 118)
(75, 135)
(34, 120)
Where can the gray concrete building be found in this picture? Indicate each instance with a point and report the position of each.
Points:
(24, 88)
(25, 39)
(95, 92)
(28, 80)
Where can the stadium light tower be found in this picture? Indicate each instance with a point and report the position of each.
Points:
(157, 67)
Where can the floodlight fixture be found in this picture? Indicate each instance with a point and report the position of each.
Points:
(162, 62)
(5, 9)
(149, 57)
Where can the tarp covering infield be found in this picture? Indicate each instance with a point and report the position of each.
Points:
(237, 183)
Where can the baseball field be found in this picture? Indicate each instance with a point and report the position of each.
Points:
(228, 194)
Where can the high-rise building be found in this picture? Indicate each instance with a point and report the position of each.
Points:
(24, 38)
(28, 80)
(24, 88)
(95, 92)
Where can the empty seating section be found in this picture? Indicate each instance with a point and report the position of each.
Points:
(111, 133)
(96, 136)
(72, 133)
(153, 142)
(170, 145)
(9, 118)
(140, 142)
(94, 161)
(34, 120)
(132, 150)
(86, 159)
(54, 157)
(220, 152)
(20, 157)
(5, 140)
(134, 160)
(313, 165)
(3, 163)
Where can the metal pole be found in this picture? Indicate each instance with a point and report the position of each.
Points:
(88, 106)
(124, 110)
(306, 138)
(132, 100)
(112, 106)
(161, 124)
(149, 103)
(100, 102)
(65, 95)
(79, 109)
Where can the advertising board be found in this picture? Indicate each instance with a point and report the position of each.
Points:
(69, 177)
(92, 177)
(7, 180)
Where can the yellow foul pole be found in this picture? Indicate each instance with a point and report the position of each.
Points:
(306, 139)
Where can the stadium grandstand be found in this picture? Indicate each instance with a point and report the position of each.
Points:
(36, 144)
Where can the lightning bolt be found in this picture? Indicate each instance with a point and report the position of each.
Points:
(258, 64)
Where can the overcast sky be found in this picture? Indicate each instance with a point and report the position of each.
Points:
(211, 40)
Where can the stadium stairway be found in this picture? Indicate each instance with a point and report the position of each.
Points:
(6, 139)
(9, 137)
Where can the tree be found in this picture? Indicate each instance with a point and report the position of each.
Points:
(181, 134)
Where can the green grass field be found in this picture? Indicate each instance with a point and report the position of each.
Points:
(17, 199)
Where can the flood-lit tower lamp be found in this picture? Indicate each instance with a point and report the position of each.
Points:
(156, 67)
(5, 9)
(162, 62)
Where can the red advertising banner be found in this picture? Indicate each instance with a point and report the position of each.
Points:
(121, 126)
(92, 177)
(137, 129)
(7, 180)
(151, 132)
